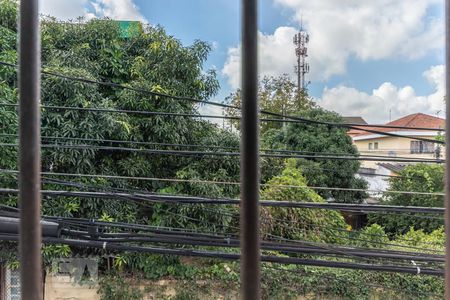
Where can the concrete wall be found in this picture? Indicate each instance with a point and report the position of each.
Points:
(63, 288)
(390, 146)
(58, 287)
(377, 183)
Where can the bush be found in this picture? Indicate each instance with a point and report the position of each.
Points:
(116, 286)
(317, 140)
(415, 178)
(292, 223)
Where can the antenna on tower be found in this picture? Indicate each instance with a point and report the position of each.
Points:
(301, 40)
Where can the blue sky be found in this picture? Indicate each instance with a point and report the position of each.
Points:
(367, 57)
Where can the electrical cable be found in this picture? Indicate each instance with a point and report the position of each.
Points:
(292, 119)
(164, 198)
(281, 238)
(166, 230)
(304, 168)
(390, 134)
(176, 180)
(175, 238)
(283, 225)
(144, 91)
(229, 256)
(230, 154)
(275, 237)
(184, 98)
(267, 246)
(190, 146)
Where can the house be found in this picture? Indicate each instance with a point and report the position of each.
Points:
(377, 173)
(381, 145)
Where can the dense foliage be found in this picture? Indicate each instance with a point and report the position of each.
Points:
(152, 61)
(280, 95)
(321, 140)
(277, 95)
(293, 223)
(221, 279)
(422, 178)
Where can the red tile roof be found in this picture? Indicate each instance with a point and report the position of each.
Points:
(410, 121)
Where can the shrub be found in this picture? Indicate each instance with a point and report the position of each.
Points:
(292, 223)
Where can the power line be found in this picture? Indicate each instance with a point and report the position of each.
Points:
(110, 189)
(176, 180)
(230, 154)
(194, 115)
(191, 146)
(140, 112)
(304, 168)
(232, 256)
(219, 211)
(124, 87)
(144, 91)
(161, 198)
(277, 237)
(178, 237)
(330, 124)
(267, 246)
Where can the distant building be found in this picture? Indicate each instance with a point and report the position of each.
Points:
(389, 146)
(354, 120)
(377, 173)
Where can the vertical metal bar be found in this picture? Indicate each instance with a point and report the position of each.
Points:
(250, 242)
(29, 157)
(447, 150)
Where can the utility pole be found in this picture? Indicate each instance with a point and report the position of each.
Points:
(301, 40)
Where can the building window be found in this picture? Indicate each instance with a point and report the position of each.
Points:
(375, 145)
(370, 146)
(421, 147)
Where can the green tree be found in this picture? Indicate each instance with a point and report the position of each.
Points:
(293, 223)
(421, 178)
(314, 139)
(153, 61)
(276, 94)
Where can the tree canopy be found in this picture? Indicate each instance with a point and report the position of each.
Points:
(293, 223)
(316, 140)
(277, 95)
(420, 178)
(153, 61)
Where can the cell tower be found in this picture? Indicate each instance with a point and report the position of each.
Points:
(301, 41)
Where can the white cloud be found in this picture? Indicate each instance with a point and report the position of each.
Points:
(276, 56)
(114, 9)
(64, 10)
(401, 101)
(213, 110)
(367, 30)
(118, 9)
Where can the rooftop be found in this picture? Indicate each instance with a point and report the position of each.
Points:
(396, 168)
(411, 122)
(354, 120)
